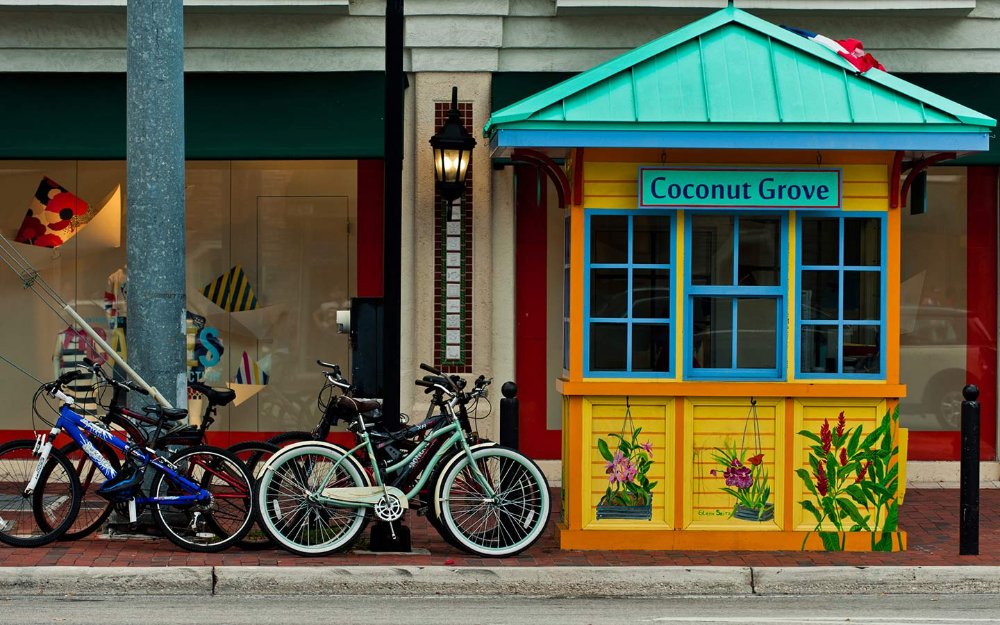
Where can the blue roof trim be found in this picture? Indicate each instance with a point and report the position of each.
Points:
(942, 141)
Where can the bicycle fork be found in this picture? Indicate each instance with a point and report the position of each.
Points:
(43, 447)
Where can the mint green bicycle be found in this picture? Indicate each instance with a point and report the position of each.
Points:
(316, 498)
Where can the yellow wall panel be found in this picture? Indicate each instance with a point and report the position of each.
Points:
(866, 204)
(655, 416)
(810, 415)
(715, 422)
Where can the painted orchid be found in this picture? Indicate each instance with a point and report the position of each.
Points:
(745, 478)
(627, 468)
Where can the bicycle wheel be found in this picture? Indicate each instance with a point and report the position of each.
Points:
(210, 526)
(502, 525)
(295, 519)
(428, 494)
(20, 512)
(254, 455)
(290, 438)
(94, 509)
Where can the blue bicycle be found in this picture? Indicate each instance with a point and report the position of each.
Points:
(201, 498)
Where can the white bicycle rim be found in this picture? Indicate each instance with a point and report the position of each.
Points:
(288, 518)
(459, 508)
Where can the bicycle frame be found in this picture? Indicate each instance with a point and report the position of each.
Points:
(410, 462)
(81, 430)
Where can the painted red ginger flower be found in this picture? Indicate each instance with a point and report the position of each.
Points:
(826, 436)
(843, 456)
(822, 483)
(864, 470)
(841, 422)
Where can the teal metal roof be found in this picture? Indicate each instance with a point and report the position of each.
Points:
(737, 73)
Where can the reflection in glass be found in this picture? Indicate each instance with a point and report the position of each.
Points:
(820, 297)
(651, 293)
(651, 240)
(609, 293)
(757, 333)
(819, 349)
(861, 349)
(862, 295)
(713, 332)
(608, 346)
(650, 347)
(820, 241)
(862, 242)
(712, 249)
(609, 239)
(945, 344)
(759, 255)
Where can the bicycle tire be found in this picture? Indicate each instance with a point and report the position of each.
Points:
(506, 524)
(287, 515)
(94, 509)
(433, 516)
(290, 438)
(19, 513)
(217, 525)
(254, 455)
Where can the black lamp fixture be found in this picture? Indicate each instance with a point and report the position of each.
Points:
(452, 153)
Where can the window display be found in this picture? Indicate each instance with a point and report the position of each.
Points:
(272, 236)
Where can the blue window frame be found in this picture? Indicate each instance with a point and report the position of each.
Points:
(735, 284)
(842, 295)
(628, 286)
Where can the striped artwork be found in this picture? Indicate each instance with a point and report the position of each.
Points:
(250, 372)
(232, 291)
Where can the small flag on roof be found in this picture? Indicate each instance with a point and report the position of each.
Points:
(851, 49)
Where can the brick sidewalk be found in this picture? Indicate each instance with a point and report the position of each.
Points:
(929, 516)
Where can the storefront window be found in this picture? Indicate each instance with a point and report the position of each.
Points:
(629, 269)
(840, 296)
(736, 296)
(278, 228)
(943, 341)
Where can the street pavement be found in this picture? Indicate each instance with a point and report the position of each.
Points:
(144, 565)
(387, 610)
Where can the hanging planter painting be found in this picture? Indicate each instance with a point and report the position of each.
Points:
(746, 478)
(630, 493)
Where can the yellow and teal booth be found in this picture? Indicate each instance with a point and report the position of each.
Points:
(733, 195)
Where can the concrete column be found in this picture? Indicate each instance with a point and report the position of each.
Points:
(155, 174)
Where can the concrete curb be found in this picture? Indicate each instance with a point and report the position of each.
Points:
(644, 581)
(521, 581)
(873, 580)
(82, 580)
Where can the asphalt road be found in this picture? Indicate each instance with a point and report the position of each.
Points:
(876, 610)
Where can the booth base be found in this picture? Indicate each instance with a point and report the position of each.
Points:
(709, 540)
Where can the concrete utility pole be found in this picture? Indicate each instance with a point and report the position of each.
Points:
(155, 171)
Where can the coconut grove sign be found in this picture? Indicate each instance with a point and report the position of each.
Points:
(698, 187)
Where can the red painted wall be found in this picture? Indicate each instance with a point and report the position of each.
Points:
(535, 439)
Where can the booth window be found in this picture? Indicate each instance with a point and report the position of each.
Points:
(627, 309)
(735, 296)
(841, 293)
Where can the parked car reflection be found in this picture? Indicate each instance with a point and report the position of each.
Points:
(941, 350)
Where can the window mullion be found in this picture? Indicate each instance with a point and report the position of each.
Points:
(735, 322)
(628, 302)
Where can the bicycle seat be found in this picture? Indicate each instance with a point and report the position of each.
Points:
(361, 405)
(217, 396)
(167, 414)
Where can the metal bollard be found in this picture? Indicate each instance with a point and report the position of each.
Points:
(968, 522)
(509, 411)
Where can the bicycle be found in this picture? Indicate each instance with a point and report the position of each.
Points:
(315, 498)
(94, 508)
(201, 497)
(390, 445)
